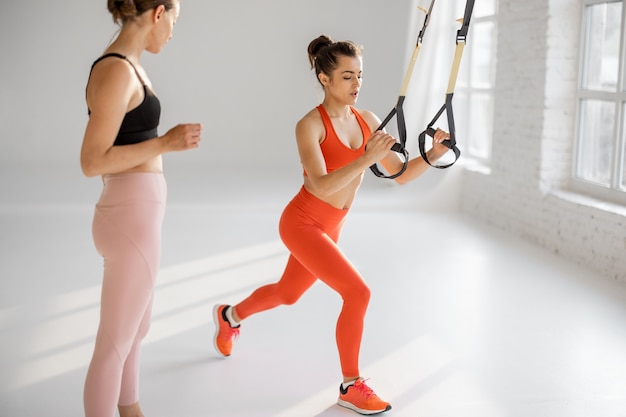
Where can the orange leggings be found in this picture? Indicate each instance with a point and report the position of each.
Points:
(310, 228)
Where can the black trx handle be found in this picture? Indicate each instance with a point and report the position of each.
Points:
(461, 37)
(430, 131)
(400, 147)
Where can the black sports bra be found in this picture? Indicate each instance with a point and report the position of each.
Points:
(140, 123)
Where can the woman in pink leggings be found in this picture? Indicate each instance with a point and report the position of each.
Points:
(336, 145)
(122, 145)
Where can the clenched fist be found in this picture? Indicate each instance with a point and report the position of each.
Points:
(183, 136)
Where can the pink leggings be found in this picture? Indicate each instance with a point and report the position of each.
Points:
(310, 229)
(127, 233)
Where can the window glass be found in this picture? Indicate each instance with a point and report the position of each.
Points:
(480, 124)
(484, 8)
(595, 152)
(602, 49)
(482, 54)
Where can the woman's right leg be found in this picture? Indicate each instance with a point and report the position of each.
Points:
(294, 282)
(297, 220)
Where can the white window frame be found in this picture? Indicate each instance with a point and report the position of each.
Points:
(464, 90)
(614, 192)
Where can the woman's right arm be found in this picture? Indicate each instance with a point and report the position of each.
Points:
(308, 134)
(112, 87)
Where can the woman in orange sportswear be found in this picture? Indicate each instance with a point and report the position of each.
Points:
(336, 145)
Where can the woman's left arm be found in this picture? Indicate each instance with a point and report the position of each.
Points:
(416, 166)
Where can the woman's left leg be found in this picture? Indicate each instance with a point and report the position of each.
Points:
(318, 252)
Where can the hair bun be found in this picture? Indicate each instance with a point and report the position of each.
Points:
(322, 41)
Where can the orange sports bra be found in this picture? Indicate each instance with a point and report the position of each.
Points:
(336, 153)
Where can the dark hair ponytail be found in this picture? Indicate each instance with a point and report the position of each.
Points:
(324, 53)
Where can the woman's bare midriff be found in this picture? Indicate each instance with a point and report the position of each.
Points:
(341, 199)
(154, 165)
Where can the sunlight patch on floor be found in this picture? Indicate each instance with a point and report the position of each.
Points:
(61, 340)
(415, 376)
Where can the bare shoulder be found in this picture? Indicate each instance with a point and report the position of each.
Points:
(111, 70)
(111, 79)
(311, 124)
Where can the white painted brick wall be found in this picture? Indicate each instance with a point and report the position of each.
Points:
(534, 126)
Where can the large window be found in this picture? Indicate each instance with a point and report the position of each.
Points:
(599, 163)
(474, 93)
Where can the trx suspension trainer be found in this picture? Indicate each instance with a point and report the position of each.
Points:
(400, 147)
(461, 37)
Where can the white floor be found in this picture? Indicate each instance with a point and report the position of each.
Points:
(464, 320)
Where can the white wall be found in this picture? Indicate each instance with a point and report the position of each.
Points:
(240, 68)
(526, 192)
